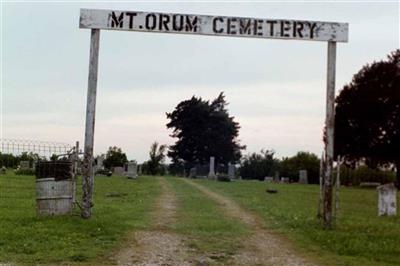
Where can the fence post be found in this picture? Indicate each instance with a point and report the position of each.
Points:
(329, 137)
(88, 178)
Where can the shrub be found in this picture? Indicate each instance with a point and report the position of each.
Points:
(258, 165)
(291, 166)
(350, 176)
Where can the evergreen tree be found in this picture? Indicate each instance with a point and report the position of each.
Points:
(203, 129)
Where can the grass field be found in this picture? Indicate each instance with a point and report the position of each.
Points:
(360, 237)
(121, 205)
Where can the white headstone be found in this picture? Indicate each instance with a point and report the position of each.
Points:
(100, 160)
(269, 179)
(131, 170)
(118, 170)
(285, 180)
(231, 171)
(387, 200)
(211, 173)
(276, 176)
(24, 165)
(303, 179)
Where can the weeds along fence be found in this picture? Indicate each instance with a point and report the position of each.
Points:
(19, 159)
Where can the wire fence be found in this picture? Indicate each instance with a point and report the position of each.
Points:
(18, 162)
(41, 148)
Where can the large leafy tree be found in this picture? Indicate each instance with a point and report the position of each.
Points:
(368, 115)
(290, 166)
(114, 157)
(203, 129)
(258, 165)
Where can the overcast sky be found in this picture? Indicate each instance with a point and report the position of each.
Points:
(275, 88)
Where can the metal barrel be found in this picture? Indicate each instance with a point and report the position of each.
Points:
(54, 197)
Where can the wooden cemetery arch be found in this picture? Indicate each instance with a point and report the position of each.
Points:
(97, 19)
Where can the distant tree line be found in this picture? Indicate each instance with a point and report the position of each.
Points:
(260, 165)
(12, 161)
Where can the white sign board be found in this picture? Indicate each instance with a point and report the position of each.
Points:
(213, 25)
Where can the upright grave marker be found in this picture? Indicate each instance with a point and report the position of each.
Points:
(211, 173)
(264, 28)
(303, 178)
(387, 200)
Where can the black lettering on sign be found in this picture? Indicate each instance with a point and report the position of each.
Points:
(271, 26)
(312, 29)
(177, 26)
(215, 26)
(231, 29)
(163, 23)
(245, 26)
(151, 22)
(298, 28)
(130, 15)
(191, 25)
(117, 21)
(258, 27)
(285, 26)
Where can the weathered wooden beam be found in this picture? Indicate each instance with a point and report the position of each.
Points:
(329, 137)
(88, 178)
(213, 25)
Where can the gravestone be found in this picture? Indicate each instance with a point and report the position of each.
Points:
(211, 173)
(24, 165)
(285, 180)
(231, 171)
(131, 172)
(94, 169)
(370, 184)
(3, 170)
(269, 179)
(387, 200)
(118, 170)
(192, 172)
(276, 176)
(303, 179)
(100, 161)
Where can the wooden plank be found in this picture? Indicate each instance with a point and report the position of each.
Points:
(88, 178)
(213, 25)
(329, 137)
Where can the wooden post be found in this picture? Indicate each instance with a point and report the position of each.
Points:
(321, 186)
(329, 137)
(88, 178)
(76, 164)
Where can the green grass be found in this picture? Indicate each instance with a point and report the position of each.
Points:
(121, 205)
(360, 237)
(202, 221)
